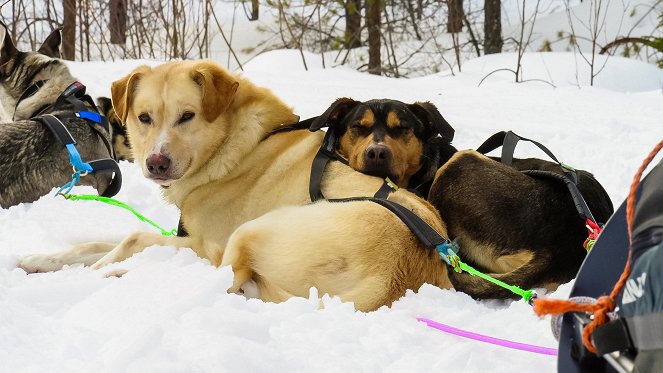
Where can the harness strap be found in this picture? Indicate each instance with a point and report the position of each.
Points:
(424, 232)
(644, 332)
(326, 153)
(508, 141)
(578, 200)
(386, 189)
(108, 165)
(75, 96)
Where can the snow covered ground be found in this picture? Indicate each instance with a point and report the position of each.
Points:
(171, 313)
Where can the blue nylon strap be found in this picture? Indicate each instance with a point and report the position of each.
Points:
(65, 189)
(95, 117)
(76, 160)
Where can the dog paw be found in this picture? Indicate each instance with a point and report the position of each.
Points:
(115, 273)
(40, 263)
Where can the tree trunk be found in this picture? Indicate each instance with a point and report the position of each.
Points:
(118, 21)
(492, 27)
(69, 30)
(255, 7)
(352, 24)
(455, 19)
(176, 41)
(373, 21)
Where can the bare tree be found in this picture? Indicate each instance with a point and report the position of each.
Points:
(373, 22)
(595, 25)
(492, 27)
(118, 21)
(352, 24)
(69, 30)
(455, 16)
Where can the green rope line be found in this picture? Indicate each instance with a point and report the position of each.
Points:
(447, 252)
(114, 202)
(525, 294)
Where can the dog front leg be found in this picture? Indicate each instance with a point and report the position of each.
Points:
(137, 242)
(86, 254)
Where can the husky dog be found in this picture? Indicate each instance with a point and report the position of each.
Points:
(121, 144)
(32, 161)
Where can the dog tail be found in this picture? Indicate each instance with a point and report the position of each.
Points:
(247, 280)
(535, 273)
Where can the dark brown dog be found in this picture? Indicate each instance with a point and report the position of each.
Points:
(521, 229)
(121, 143)
(388, 138)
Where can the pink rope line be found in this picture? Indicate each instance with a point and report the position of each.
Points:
(488, 339)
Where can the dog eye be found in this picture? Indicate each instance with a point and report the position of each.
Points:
(145, 118)
(187, 116)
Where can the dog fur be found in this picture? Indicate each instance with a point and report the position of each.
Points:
(521, 229)
(120, 142)
(388, 138)
(202, 134)
(32, 161)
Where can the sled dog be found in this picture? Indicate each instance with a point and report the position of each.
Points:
(32, 161)
(203, 135)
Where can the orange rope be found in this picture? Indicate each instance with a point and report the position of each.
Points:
(606, 303)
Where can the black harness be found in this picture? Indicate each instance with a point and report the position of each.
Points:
(84, 108)
(508, 141)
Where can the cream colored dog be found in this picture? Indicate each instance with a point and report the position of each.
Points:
(204, 136)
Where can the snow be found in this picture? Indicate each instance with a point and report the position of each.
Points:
(171, 313)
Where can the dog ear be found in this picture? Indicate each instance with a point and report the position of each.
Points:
(122, 92)
(218, 87)
(8, 49)
(104, 104)
(51, 46)
(339, 109)
(431, 117)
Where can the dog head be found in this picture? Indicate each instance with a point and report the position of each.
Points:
(120, 142)
(173, 115)
(387, 138)
(20, 70)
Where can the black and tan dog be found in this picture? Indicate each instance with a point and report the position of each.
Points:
(120, 142)
(391, 139)
(524, 230)
(32, 160)
(521, 228)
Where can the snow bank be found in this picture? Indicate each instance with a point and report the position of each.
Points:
(171, 313)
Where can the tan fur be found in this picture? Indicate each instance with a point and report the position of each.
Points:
(393, 121)
(406, 150)
(228, 176)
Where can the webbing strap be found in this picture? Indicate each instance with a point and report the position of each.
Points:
(108, 165)
(578, 200)
(508, 140)
(320, 161)
(58, 128)
(326, 153)
(386, 189)
(643, 332)
(424, 232)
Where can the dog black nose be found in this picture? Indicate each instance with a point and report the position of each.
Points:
(157, 164)
(377, 155)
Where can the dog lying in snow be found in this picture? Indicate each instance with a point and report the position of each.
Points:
(32, 161)
(204, 136)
